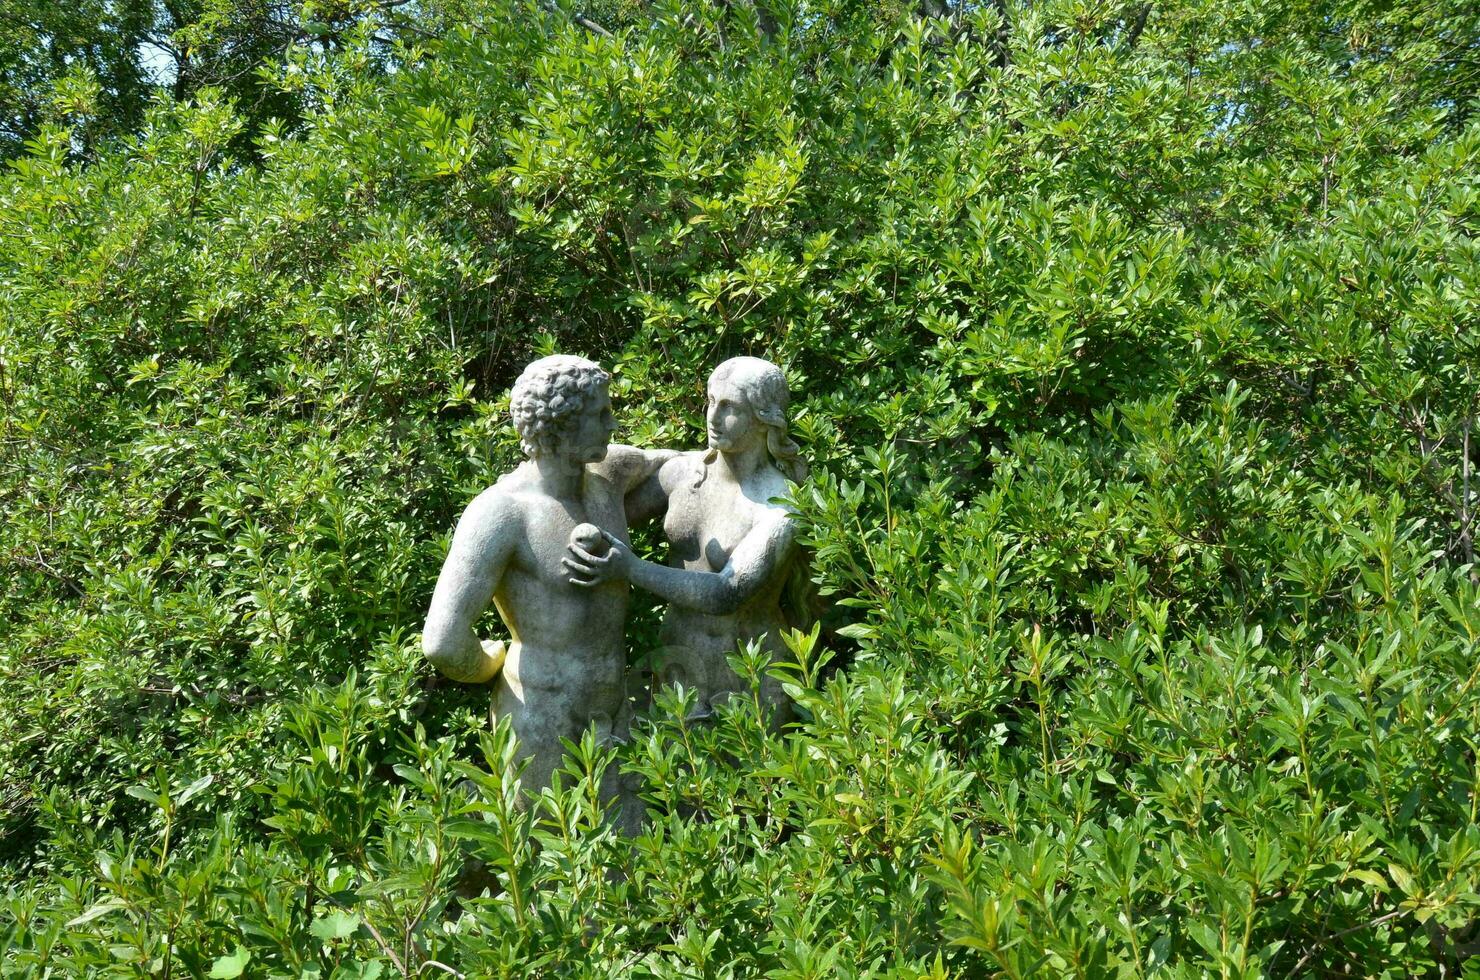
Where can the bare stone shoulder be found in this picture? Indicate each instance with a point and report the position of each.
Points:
(495, 512)
(627, 466)
(681, 470)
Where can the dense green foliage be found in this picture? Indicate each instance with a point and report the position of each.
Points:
(1135, 347)
(102, 62)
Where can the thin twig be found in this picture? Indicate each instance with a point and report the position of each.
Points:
(386, 948)
(1346, 932)
(39, 562)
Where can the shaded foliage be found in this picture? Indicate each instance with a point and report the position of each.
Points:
(1134, 349)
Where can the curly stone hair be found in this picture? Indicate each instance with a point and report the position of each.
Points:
(548, 397)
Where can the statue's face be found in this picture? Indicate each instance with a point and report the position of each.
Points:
(731, 423)
(590, 432)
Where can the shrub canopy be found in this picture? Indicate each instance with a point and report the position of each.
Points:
(1134, 347)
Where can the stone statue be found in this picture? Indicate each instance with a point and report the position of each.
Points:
(565, 664)
(732, 547)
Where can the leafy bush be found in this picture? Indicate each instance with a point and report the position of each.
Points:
(1133, 348)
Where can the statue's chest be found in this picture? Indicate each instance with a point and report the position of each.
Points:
(550, 522)
(601, 504)
(705, 524)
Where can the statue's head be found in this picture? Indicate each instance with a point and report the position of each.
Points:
(562, 406)
(748, 398)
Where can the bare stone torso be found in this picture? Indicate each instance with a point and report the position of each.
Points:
(566, 660)
(704, 524)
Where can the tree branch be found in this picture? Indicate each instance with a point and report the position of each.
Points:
(580, 19)
(1133, 36)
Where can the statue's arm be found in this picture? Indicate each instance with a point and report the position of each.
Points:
(753, 563)
(649, 498)
(637, 473)
(481, 548)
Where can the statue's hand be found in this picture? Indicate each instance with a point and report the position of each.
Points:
(587, 569)
(494, 652)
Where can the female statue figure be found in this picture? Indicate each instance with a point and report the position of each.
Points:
(732, 550)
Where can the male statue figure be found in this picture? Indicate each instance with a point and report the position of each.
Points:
(565, 663)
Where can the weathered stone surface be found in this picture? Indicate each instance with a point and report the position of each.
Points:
(732, 547)
(564, 666)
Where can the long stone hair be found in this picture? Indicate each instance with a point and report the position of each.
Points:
(764, 387)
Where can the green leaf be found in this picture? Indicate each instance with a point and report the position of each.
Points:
(469, 828)
(146, 793)
(231, 965)
(194, 788)
(96, 912)
(1401, 878)
(336, 925)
